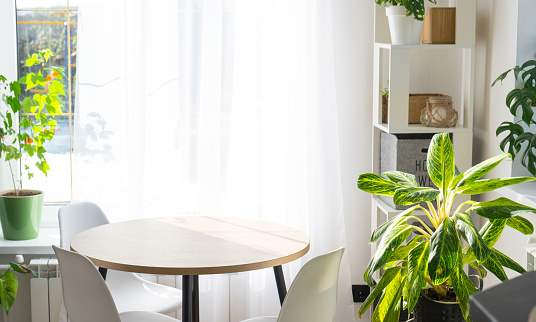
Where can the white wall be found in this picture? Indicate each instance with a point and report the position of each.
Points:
(8, 61)
(353, 38)
(498, 49)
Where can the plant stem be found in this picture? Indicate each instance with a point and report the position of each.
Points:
(424, 225)
(13, 178)
(425, 234)
(440, 289)
(435, 219)
(428, 215)
(470, 202)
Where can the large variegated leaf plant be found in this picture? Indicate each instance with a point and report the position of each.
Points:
(435, 256)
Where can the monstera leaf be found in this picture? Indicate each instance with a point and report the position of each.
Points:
(520, 99)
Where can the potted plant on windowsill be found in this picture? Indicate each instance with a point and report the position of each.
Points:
(436, 257)
(405, 20)
(25, 126)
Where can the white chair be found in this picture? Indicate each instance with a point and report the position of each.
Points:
(87, 297)
(312, 297)
(129, 291)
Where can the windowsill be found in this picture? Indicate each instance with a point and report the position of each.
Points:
(524, 193)
(42, 245)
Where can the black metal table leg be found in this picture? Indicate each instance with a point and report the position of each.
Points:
(103, 271)
(190, 298)
(280, 281)
(195, 300)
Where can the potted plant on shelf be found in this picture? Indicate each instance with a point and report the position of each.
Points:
(517, 137)
(25, 127)
(435, 258)
(405, 20)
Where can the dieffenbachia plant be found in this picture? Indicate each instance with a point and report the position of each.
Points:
(435, 256)
(517, 138)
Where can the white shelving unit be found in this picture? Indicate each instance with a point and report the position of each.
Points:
(446, 69)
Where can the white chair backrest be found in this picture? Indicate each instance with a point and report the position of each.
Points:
(76, 218)
(312, 297)
(85, 293)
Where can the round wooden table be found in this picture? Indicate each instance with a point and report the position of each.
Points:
(192, 246)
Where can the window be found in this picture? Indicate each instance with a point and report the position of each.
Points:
(52, 24)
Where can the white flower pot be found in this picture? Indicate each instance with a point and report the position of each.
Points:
(404, 30)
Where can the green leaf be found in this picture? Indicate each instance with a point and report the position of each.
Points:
(402, 178)
(479, 170)
(15, 88)
(409, 196)
(456, 180)
(376, 184)
(417, 268)
(508, 262)
(395, 221)
(388, 276)
(22, 268)
(388, 309)
(501, 208)
(492, 230)
(514, 130)
(403, 251)
(487, 185)
(473, 238)
(521, 97)
(493, 265)
(481, 270)
(392, 239)
(521, 224)
(528, 73)
(528, 158)
(8, 290)
(56, 87)
(32, 60)
(463, 287)
(444, 245)
(415, 8)
(501, 77)
(440, 161)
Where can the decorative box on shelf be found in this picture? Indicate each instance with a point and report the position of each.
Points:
(439, 26)
(406, 153)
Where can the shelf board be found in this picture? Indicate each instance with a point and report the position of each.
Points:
(390, 211)
(418, 128)
(425, 46)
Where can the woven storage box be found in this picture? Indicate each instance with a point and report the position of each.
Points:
(416, 103)
(406, 153)
(439, 26)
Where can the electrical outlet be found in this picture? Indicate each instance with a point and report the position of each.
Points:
(360, 292)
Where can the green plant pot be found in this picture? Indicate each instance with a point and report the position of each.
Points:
(21, 216)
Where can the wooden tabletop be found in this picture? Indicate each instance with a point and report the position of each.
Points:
(191, 245)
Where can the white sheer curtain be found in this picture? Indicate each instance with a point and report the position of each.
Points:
(213, 107)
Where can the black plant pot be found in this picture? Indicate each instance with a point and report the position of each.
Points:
(428, 310)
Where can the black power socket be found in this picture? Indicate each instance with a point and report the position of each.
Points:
(360, 292)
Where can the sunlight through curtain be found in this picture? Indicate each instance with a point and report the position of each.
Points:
(214, 107)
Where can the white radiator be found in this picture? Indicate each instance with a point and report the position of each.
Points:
(45, 289)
